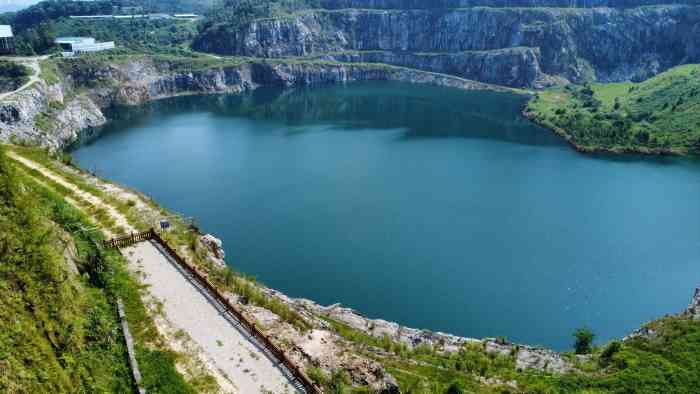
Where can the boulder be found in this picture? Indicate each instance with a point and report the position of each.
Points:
(214, 248)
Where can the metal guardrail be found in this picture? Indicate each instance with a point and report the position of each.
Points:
(128, 240)
(298, 375)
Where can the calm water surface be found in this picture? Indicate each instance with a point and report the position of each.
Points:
(433, 207)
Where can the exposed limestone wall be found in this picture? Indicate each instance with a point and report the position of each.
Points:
(578, 44)
(514, 67)
(422, 4)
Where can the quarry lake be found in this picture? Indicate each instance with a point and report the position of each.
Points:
(432, 207)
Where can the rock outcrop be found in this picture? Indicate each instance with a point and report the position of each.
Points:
(41, 115)
(214, 247)
(508, 46)
(693, 310)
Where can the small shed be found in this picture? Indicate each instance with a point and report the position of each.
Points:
(7, 40)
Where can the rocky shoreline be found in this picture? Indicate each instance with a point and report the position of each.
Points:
(76, 104)
(55, 115)
(526, 357)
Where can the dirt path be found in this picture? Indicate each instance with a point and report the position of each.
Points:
(118, 217)
(33, 64)
(227, 351)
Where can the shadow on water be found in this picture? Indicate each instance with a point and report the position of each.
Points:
(421, 112)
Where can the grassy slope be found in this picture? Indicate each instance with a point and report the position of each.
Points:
(660, 115)
(64, 335)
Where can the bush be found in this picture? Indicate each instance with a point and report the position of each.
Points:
(584, 340)
(609, 352)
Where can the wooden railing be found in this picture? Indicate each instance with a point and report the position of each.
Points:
(246, 324)
(129, 240)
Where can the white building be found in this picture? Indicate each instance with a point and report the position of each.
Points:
(186, 16)
(7, 40)
(76, 45)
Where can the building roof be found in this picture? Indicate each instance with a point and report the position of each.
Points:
(5, 31)
(74, 40)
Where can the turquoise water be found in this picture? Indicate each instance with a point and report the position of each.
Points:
(432, 207)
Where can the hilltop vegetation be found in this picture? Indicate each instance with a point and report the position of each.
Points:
(37, 26)
(659, 115)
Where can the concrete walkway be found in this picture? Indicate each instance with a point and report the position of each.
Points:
(191, 310)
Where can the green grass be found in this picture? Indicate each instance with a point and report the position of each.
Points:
(49, 73)
(63, 334)
(660, 115)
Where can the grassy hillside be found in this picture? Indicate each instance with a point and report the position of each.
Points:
(660, 115)
(59, 331)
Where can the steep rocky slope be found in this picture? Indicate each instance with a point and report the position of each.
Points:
(527, 46)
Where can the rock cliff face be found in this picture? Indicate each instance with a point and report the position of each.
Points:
(514, 67)
(422, 4)
(54, 116)
(509, 46)
(42, 115)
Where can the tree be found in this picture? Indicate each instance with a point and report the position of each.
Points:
(584, 340)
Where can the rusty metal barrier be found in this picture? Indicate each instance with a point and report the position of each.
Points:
(128, 240)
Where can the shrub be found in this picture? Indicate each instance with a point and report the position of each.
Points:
(609, 352)
(583, 340)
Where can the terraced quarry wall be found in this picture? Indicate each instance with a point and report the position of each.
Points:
(519, 47)
(423, 4)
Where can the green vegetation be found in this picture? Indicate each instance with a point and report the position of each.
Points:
(33, 26)
(36, 27)
(661, 114)
(584, 341)
(669, 361)
(48, 72)
(225, 18)
(12, 75)
(63, 334)
(138, 34)
(235, 13)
